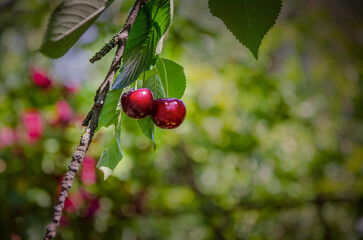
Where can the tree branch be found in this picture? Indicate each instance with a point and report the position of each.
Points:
(91, 121)
(105, 49)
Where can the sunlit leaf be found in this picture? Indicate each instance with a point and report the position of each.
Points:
(110, 110)
(172, 77)
(113, 154)
(140, 53)
(154, 84)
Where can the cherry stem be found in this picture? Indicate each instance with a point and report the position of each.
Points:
(166, 79)
(136, 85)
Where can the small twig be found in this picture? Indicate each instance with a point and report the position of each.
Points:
(92, 121)
(121, 39)
(105, 49)
(87, 118)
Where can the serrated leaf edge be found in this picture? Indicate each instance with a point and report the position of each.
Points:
(260, 42)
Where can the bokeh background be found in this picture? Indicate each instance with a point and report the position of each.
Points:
(270, 149)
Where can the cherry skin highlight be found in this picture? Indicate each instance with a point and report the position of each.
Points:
(168, 113)
(137, 104)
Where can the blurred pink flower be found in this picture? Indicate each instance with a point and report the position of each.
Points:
(64, 221)
(72, 87)
(78, 120)
(85, 194)
(82, 199)
(34, 125)
(40, 77)
(73, 202)
(7, 137)
(94, 205)
(64, 111)
(88, 171)
(92, 202)
(15, 236)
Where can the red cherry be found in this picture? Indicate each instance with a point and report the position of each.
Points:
(168, 113)
(137, 104)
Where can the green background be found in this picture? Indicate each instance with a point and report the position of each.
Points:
(270, 149)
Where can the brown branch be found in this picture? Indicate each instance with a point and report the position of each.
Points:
(92, 121)
(105, 49)
(120, 39)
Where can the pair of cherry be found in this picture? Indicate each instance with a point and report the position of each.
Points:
(166, 113)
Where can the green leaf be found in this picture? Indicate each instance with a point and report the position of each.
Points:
(67, 24)
(110, 110)
(146, 124)
(248, 20)
(172, 77)
(154, 84)
(148, 128)
(113, 154)
(140, 53)
(135, 65)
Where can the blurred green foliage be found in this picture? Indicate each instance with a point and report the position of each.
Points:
(270, 149)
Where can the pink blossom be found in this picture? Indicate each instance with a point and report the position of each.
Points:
(40, 77)
(86, 195)
(34, 125)
(15, 236)
(7, 137)
(73, 202)
(92, 202)
(82, 199)
(78, 120)
(64, 221)
(64, 111)
(72, 87)
(88, 171)
(94, 205)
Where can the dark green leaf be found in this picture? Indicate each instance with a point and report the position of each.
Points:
(248, 20)
(154, 84)
(110, 111)
(67, 24)
(172, 77)
(140, 53)
(137, 63)
(113, 154)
